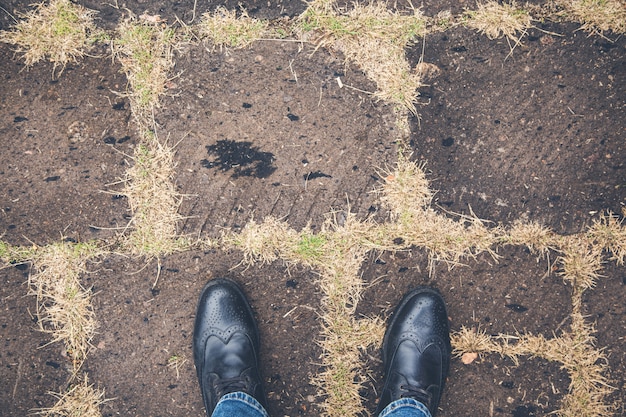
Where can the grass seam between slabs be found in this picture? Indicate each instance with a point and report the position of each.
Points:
(145, 51)
(339, 253)
(64, 310)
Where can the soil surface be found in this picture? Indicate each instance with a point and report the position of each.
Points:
(537, 134)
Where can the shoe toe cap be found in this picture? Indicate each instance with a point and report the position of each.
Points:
(424, 317)
(222, 311)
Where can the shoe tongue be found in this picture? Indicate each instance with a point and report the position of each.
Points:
(230, 358)
(406, 359)
(236, 350)
(421, 369)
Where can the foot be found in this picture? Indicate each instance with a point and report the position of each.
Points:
(416, 350)
(226, 344)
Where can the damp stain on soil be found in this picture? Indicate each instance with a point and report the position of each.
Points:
(243, 158)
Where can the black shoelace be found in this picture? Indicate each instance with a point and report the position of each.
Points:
(411, 391)
(228, 385)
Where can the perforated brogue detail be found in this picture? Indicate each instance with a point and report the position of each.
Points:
(226, 344)
(416, 350)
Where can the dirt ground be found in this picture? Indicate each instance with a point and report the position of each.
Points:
(536, 135)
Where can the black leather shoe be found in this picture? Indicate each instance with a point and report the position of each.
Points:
(226, 344)
(416, 350)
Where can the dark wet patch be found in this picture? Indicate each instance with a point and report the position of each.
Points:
(518, 308)
(22, 266)
(111, 140)
(246, 160)
(316, 174)
(53, 364)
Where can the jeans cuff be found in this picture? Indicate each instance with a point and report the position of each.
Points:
(405, 407)
(244, 400)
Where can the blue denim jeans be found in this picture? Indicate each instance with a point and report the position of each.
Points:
(405, 407)
(240, 404)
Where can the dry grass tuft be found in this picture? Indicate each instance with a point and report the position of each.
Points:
(496, 20)
(82, 400)
(608, 232)
(343, 341)
(588, 369)
(535, 236)
(60, 30)
(154, 202)
(145, 52)
(581, 262)
(596, 16)
(341, 283)
(405, 191)
(408, 197)
(63, 304)
(225, 29)
(176, 362)
(11, 254)
(373, 37)
(446, 240)
(263, 242)
(442, 21)
(470, 340)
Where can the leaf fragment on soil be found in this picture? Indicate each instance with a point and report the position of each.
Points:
(469, 357)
